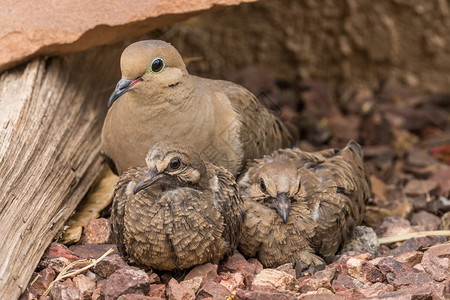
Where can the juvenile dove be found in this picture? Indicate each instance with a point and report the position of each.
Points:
(178, 211)
(157, 100)
(301, 207)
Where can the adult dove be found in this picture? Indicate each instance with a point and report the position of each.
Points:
(177, 212)
(158, 100)
(301, 207)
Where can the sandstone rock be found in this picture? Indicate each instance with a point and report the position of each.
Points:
(417, 187)
(400, 274)
(176, 292)
(207, 272)
(154, 278)
(59, 250)
(157, 290)
(97, 231)
(28, 30)
(317, 296)
(442, 251)
(260, 295)
(213, 290)
(232, 281)
(275, 279)
(311, 284)
(328, 273)
(57, 263)
(45, 277)
(394, 226)
(345, 282)
(237, 263)
(287, 268)
(442, 177)
(138, 297)
(411, 258)
(351, 294)
(364, 271)
(92, 250)
(438, 268)
(85, 285)
(125, 281)
(364, 239)
(109, 265)
(61, 291)
(415, 244)
(376, 289)
(425, 219)
(191, 284)
(258, 265)
(96, 294)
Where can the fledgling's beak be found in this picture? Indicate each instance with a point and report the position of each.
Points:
(283, 206)
(149, 179)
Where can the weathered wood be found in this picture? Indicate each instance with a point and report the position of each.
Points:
(51, 113)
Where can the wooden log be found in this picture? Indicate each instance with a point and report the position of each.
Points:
(51, 114)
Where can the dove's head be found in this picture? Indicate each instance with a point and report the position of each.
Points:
(149, 68)
(173, 165)
(273, 184)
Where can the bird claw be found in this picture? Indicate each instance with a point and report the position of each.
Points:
(307, 269)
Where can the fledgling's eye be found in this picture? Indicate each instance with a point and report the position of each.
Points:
(262, 185)
(175, 163)
(157, 65)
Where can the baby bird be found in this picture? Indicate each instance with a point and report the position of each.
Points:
(301, 207)
(178, 211)
(157, 100)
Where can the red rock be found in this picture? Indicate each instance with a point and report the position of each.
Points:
(97, 231)
(125, 281)
(157, 290)
(207, 272)
(416, 244)
(364, 271)
(442, 177)
(438, 268)
(351, 294)
(328, 274)
(138, 297)
(57, 263)
(85, 285)
(176, 292)
(376, 289)
(109, 265)
(425, 219)
(96, 294)
(317, 296)
(417, 187)
(59, 250)
(259, 295)
(232, 281)
(45, 277)
(394, 226)
(61, 291)
(191, 284)
(258, 265)
(213, 290)
(345, 282)
(400, 274)
(309, 284)
(28, 30)
(411, 258)
(442, 251)
(237, 263)
(275, 279)
(410, 293)
(287, 268)
(92, 250)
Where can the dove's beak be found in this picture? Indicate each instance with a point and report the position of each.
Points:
(149, 179)
(122, 87)
(283, 206)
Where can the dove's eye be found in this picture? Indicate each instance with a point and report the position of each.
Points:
(262, 185)
(175, 163)
(157, 65)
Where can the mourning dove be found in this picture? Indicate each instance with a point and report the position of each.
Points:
(178, 211)
(301, 207)
(158, 100)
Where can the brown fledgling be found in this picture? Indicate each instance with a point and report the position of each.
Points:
(178, 211)
(158, 100)
(301, 207)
